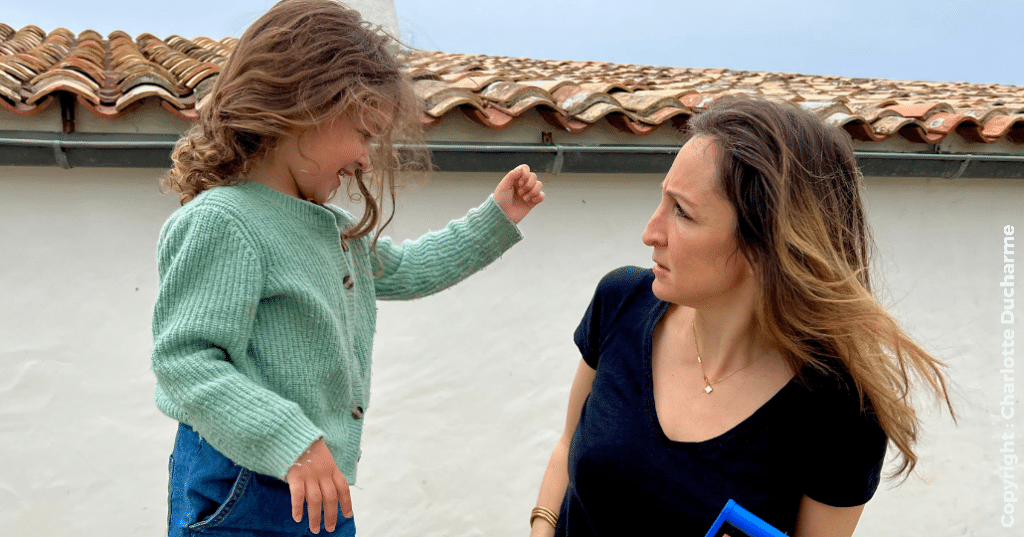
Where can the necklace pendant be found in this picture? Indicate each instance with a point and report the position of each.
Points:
(707, 389)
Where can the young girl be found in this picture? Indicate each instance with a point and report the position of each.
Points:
(264, 323)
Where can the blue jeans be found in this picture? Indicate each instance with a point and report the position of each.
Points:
(210, 495)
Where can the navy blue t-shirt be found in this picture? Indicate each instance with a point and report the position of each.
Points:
(627, 478)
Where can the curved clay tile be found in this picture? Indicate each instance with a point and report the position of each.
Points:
(63, 82)
(16, 69)
(489, 116)
(519, 107)
(91, 35)
(107, 111)
(890, 125)
(8, 93)
(147, 69)
(25, 39)
(1000, 126)
(85, 67)
(598, 110)
(476, 83)
(66, 74)
(180, 64)
(507, 94)
(561, 122)
(945, 123)
(608, 87)
(920, 110)
(444, 103)
(549, 86)
(646, 103)
(698, 101)
(678, 116)
(180, 44)
(623, 123)
(575, 100)
(188, 114)
(825, 109)
(23, 109)
(198, 73)
(916, 133)
(858, 128)
(203, 88)
(31, 61)
(146, 77)
(422, 74)
(435, 94)
(143, 91)
(872, 111)
(10, 82)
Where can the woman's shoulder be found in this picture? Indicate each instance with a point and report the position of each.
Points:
(623, 289)
(833, 391)
(624, 281)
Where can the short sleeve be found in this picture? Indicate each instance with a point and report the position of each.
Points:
(848, 452)
(613, 292)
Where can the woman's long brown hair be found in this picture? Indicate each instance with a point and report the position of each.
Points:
(301, 65)
(795, 185)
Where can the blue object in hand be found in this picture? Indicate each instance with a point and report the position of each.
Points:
(733, 517)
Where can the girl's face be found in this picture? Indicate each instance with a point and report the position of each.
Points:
(693, 232)
(318, 157)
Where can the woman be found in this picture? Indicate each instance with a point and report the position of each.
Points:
(752, 362)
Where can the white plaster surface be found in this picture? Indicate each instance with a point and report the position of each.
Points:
(470, 385)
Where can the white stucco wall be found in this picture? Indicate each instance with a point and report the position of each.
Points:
(470, 385)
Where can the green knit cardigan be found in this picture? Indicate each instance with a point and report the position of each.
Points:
(264, 323)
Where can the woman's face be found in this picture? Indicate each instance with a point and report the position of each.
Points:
(696, 260)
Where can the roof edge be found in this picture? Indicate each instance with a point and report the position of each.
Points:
(26, 148)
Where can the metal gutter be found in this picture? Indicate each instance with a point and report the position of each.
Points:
(23, 148)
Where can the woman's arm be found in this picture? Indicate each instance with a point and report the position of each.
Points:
(815, 519)
(556, 477)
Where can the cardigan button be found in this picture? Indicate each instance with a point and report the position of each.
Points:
(357, 412)
(347, 281)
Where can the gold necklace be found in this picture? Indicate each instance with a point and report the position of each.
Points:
(708, 383)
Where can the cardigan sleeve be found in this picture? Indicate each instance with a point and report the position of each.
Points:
(210, 286)
(443, 258)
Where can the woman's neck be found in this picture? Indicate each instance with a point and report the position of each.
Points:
(727, 334)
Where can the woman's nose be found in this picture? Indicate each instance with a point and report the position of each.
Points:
(653, 235)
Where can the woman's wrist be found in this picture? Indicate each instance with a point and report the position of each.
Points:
(545, 514)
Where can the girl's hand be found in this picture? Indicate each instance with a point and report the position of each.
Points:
(316, 480)
(518, 193)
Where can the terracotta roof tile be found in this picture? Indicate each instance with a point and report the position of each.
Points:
(109, 76)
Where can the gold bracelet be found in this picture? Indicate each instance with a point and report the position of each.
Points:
(548, 515)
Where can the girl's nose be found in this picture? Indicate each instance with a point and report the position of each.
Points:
(363, 162)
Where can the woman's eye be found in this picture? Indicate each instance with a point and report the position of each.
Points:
(681, 212)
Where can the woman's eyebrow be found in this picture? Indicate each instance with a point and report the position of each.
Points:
(678, 196)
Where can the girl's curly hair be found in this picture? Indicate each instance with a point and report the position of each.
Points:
(301, 65)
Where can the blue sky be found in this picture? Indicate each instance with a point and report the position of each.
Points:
(943, 40)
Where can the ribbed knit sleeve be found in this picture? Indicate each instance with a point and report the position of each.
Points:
(443, 258)
(210, 284)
